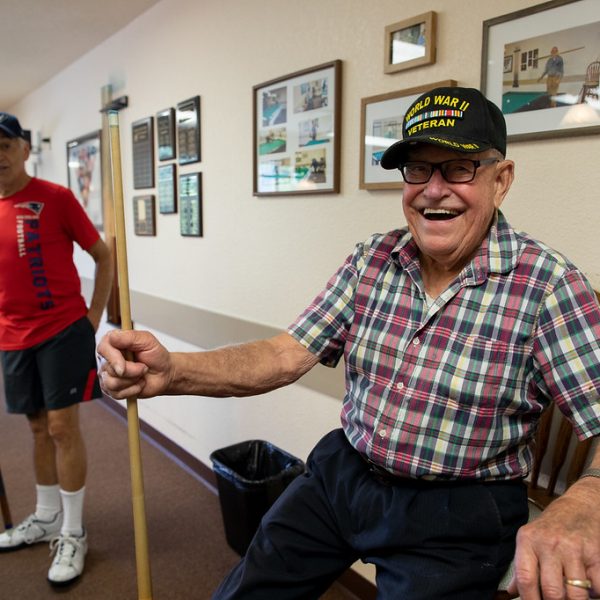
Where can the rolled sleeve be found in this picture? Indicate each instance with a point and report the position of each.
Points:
(323, 327)
(567, 349)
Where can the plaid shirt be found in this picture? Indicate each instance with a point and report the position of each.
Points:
(455, 390)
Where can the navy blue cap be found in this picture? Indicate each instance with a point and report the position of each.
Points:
(10, 125)
(457, 118)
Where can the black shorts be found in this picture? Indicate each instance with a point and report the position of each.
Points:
(54, 374)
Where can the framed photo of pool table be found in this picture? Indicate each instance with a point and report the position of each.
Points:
(296, 132)
(541, 66)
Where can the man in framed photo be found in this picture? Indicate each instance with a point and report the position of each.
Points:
(554, 72)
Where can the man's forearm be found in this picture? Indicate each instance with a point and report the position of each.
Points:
(243, 370)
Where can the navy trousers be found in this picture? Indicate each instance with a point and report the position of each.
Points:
(428, 540)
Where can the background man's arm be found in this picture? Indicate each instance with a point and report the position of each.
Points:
(102, 281)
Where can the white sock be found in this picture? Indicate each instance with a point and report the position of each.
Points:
(48, 502)
(73, 512)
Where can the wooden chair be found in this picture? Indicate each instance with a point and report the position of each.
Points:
(539, 495)
(589, 89)
(566, 445)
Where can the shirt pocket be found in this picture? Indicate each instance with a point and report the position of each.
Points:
(482, 373)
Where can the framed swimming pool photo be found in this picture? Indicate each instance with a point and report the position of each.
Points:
(84, 174)
(381, 120)
(296, 132)
(541, 66)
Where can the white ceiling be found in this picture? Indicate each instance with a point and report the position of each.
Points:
(39, 38)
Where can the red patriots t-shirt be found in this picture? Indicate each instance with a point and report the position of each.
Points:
(40, 289)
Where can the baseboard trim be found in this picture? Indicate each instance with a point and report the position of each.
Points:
(355, 583)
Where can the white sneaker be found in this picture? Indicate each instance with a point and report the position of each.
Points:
(69, 558)
(30, 531)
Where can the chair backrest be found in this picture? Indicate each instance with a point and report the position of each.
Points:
(564, 441)
(592, 74)
(565, 444)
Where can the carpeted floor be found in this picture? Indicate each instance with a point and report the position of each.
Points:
(188, 552)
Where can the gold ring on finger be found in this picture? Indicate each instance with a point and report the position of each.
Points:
(586, 584)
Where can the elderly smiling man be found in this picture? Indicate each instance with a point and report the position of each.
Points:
(457, 333)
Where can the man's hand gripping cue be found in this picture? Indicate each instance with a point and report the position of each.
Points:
(146, 376)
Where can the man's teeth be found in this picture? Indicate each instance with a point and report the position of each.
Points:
(439, 213)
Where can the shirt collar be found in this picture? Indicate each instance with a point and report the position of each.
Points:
(499, 252)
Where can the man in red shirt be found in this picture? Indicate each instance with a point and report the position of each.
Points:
(47, 341)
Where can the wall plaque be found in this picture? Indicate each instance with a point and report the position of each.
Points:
(188, 130)
(143, 153)
(190, 204)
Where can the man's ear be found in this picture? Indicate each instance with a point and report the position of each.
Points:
(26, 149)
(504, 177)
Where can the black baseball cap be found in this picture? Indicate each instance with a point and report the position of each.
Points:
(457, 118)
(10, 125)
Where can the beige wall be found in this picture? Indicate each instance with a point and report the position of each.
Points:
(262, 260)
(276, 253)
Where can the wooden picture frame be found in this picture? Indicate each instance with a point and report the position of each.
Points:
(517, 48)
(142, 135)
(167, 189)
(144, 218)
(188, 130)
(190, 204)
(410, 43)
(165, 134)
(84, 174)
(296, 132)
(381, 119)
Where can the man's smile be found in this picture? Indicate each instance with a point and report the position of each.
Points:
(439, 214)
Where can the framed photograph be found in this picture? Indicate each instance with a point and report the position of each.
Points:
(143, 215)
(410, 43)
(167, 189)
(296, 132)
(190, 204)
(381, 121)
(165, 134)
(188, 130)
(541, 66)
(84, 172)
(142, 134)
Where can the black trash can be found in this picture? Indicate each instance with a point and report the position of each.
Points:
(251, 475)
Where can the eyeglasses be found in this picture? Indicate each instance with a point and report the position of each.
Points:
(459, 170)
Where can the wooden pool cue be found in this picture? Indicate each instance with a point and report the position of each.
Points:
(137, 484)
(4, 505)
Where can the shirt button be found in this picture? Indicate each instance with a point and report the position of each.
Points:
(382, 433)
(400, 385)
(416, 341)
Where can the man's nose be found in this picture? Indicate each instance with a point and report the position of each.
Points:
(436, 183)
